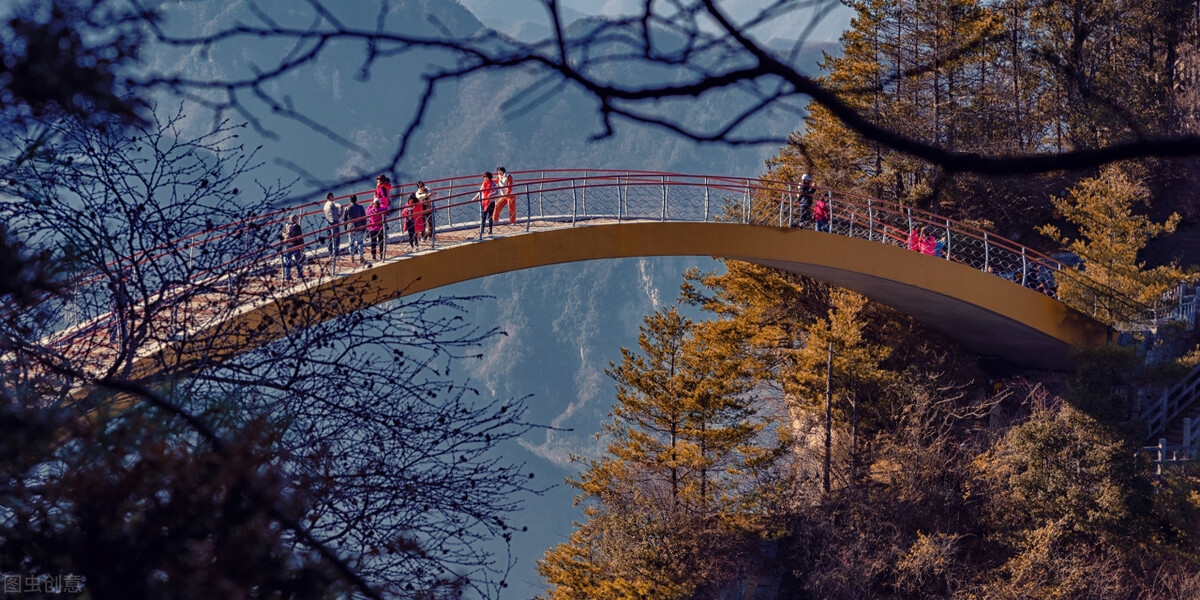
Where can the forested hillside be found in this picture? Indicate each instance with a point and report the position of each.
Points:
(773, 437)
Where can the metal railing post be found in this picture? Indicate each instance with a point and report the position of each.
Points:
(706, 199)
(528, 209)
(620, 200)
(664, 206)
(574, 201)
(871, 221)
(746, 205)
(1024, 266)
(791, 211)
(948, 238)
(542, 196)
(985, 252)
(910, 225)
(829, 201)
(782, 201)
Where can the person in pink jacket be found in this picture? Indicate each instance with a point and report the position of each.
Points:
(928, 243)
(375, 231)
(383, 193)
(920, 240)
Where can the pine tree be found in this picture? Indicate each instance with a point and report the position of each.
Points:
(910, 66)
(674, 493)
(836, 372)
(1114, 287)
(1064, 498)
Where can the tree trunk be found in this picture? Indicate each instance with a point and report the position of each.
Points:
(828, 414)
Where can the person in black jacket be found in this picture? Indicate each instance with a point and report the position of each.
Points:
(807, 189)
(293, 253)
(355, 219)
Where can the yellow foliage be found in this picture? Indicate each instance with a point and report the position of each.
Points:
(1112, 285)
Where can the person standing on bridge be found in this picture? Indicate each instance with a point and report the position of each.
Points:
(293, 254)
(820, 213)
(807, 189)
(383, 193)
(414, 221)
(355, 218)
(375, 230)
(487, 189)
(928, 242)
(504, 182)
(920, 240)
(333, 219)
(425, 198)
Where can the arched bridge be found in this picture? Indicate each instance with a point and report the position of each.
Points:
(994, 296)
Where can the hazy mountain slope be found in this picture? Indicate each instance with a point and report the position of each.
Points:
(563, 324)
(508, 118)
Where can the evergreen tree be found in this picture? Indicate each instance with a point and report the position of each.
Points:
(1064, 501)
(1114, 287)
(834, 370)
(911, 66)
(673, 499)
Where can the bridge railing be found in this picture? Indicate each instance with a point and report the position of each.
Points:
(1168, 406)
(550, 200)
(558, 198)
(1165, 454)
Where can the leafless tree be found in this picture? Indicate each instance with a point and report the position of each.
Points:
(330, 449)
(682, 50)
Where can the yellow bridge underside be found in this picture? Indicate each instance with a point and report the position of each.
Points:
(987, 314)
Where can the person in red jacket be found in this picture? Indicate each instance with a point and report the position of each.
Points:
(820, 214)
(414, 220)
(487, 190)
(504, 182)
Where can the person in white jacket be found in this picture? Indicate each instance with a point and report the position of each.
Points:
(504, 184)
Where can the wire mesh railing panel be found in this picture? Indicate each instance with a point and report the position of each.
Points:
(642, 201)
(601, 201)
